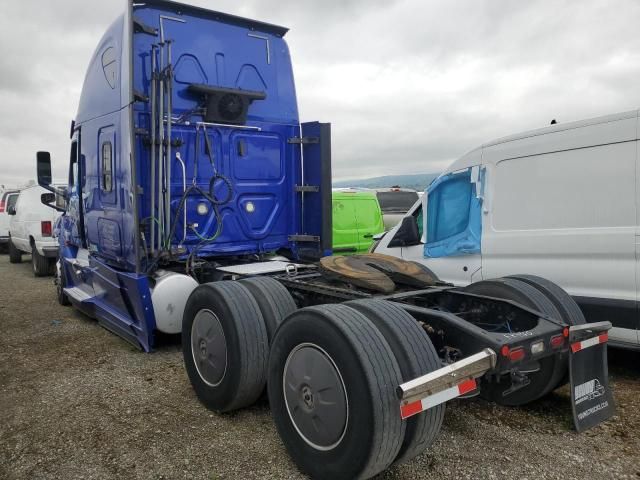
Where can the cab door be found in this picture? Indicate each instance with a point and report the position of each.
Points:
(72, 224)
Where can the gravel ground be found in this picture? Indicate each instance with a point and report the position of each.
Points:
(78, 402)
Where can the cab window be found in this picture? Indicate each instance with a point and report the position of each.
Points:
(107, 167)
(73, 165)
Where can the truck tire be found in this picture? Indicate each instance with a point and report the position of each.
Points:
(551, 370)
(566, 305)
(15, 255)
(274, 300)
(330, 366)
(61, 283)
(224, 345)
(416, 356)
(41, 265)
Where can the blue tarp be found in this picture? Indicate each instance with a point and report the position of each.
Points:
(454, 216)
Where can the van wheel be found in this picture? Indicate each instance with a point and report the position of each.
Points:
(550, 371)
(60, 283)
(332, 380)
(274, 300)
(416, 356)
(41, 265)
(569, 310)
(15, 255)
(224, 345)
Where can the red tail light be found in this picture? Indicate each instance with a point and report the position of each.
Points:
(45, 228)
(557, 341)
(2, 205)
(516, 354)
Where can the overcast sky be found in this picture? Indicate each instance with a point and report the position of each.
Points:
(408, 85)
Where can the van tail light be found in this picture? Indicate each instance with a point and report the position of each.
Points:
(2, 205)
(45, 228)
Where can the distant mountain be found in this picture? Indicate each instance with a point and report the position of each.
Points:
(417, 182)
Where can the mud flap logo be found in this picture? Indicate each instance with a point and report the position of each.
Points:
(588, 391)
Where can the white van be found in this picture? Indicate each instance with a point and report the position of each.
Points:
(31, 230)
(562, 202)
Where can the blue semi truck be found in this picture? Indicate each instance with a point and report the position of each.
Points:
(198, 204)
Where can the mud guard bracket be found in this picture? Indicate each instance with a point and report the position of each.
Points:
(591, 398)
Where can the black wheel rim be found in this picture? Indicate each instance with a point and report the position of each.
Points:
(315, 396)
(209, 347)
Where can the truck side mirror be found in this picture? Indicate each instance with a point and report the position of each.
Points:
(407, 235)
(44, 169)
(11, 210)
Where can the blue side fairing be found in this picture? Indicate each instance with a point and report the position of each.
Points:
(454, 216)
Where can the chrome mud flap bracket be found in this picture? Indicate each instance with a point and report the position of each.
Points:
(444, 384)
(591, 398)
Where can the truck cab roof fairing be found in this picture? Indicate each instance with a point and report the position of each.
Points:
(102, 89)
(180, 8)
(219, 51)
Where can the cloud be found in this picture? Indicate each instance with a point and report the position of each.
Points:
(409, 85)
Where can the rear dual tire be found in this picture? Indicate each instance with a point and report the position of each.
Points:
(548, 375)
(225, 345)
(331, 387)
(546, 297)
(565, 304)
(273, 299)
(331, 376)
(416, 356)
(369, 347)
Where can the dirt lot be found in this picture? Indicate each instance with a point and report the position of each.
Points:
(78, 402)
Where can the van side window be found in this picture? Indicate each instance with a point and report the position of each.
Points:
(107, 167)
(454, 219)
(448, 209)
(11, 200)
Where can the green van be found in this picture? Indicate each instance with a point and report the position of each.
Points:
(356, 219)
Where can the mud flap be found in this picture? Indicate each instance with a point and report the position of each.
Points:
(591, 398)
